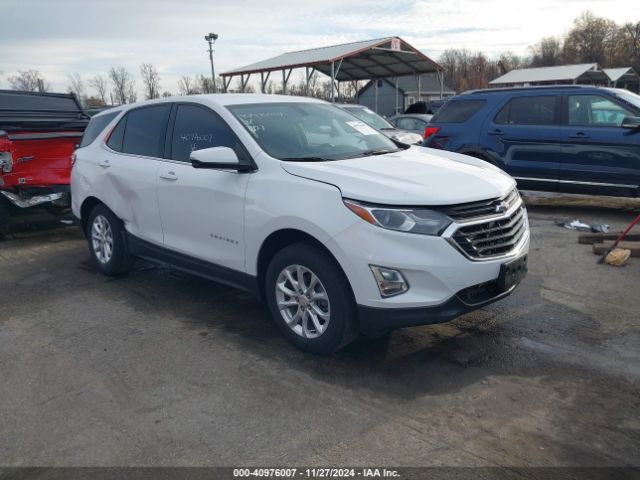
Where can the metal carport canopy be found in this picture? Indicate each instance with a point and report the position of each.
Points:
(369, 59)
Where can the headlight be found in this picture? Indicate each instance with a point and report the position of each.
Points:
(419, 220)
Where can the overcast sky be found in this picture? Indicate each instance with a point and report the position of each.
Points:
(89, 36)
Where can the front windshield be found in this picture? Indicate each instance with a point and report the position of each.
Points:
(308, 131)
(628, 97)
(369, 117)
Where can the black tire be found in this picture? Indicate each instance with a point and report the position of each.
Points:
(120, 261)
(342, 327)
(5, 211)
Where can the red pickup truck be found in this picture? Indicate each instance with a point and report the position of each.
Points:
(38, 134)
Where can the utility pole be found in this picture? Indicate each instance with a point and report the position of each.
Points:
(211, 38)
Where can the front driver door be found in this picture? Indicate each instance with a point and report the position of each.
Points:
(202, 210)
(598, 154)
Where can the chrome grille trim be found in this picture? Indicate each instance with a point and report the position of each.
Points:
(473, 211)
(490, 238)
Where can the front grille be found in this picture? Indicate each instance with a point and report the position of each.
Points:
(492, 238)
(483, 208)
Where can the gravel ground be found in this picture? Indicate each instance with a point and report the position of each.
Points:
(162, 368)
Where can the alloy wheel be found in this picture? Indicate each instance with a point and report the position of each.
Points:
(303, 301)
(102, 239)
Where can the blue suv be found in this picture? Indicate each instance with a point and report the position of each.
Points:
(576, 139)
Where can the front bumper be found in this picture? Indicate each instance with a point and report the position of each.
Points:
(440, 275)
(375, 321)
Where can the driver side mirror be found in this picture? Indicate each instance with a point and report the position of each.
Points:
(218, 158)
(632, 123)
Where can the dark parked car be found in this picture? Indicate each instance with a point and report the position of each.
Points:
(426, 108)
(577, 139)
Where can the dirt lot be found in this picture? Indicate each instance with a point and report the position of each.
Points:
(161, 368)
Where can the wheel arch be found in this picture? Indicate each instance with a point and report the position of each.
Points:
(280, 239)
(88, 204)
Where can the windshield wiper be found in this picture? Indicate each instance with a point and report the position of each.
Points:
(371, 153)
(307, 159)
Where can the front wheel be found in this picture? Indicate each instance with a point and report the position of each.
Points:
(107, 244)
(310, 299)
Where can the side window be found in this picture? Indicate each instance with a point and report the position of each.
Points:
(595, 110)
(115, 139)
(96, 125)
(540, 110)
(144, 130)
(197, 128)
(458, 111)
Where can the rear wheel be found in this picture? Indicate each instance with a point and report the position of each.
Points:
(310, 299)
(106, 236)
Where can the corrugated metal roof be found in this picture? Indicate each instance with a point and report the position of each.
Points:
(545, 74)
(616, 73)
(312, 55)
(359, 60)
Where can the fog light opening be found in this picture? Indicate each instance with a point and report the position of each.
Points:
(390, 281)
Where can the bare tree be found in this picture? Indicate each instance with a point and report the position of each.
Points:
(205, 85)
(123, 84)
(629, 46)
(248, 89)
(508, 61)
(76, 86)
(99, 84)
(187, 86)
(29, 81)
(590, 39)
(166, 94)
(457, 64)
(132, 95)
(93, 102)
(546, 53)
(150, 80)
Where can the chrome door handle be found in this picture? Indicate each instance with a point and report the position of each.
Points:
(104, 163)
(169, 176)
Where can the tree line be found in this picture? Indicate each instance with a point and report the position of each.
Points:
(591, 39)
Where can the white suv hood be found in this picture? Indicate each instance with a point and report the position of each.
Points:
(416, 176)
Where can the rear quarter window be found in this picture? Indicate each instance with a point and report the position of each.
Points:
(458, 111)
(96, 126)
(140, 131)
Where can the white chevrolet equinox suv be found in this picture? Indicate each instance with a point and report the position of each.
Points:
(338, 228)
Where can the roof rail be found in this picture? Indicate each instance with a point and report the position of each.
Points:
(530, 87)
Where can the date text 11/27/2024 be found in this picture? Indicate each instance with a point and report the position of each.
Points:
(315, 473)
